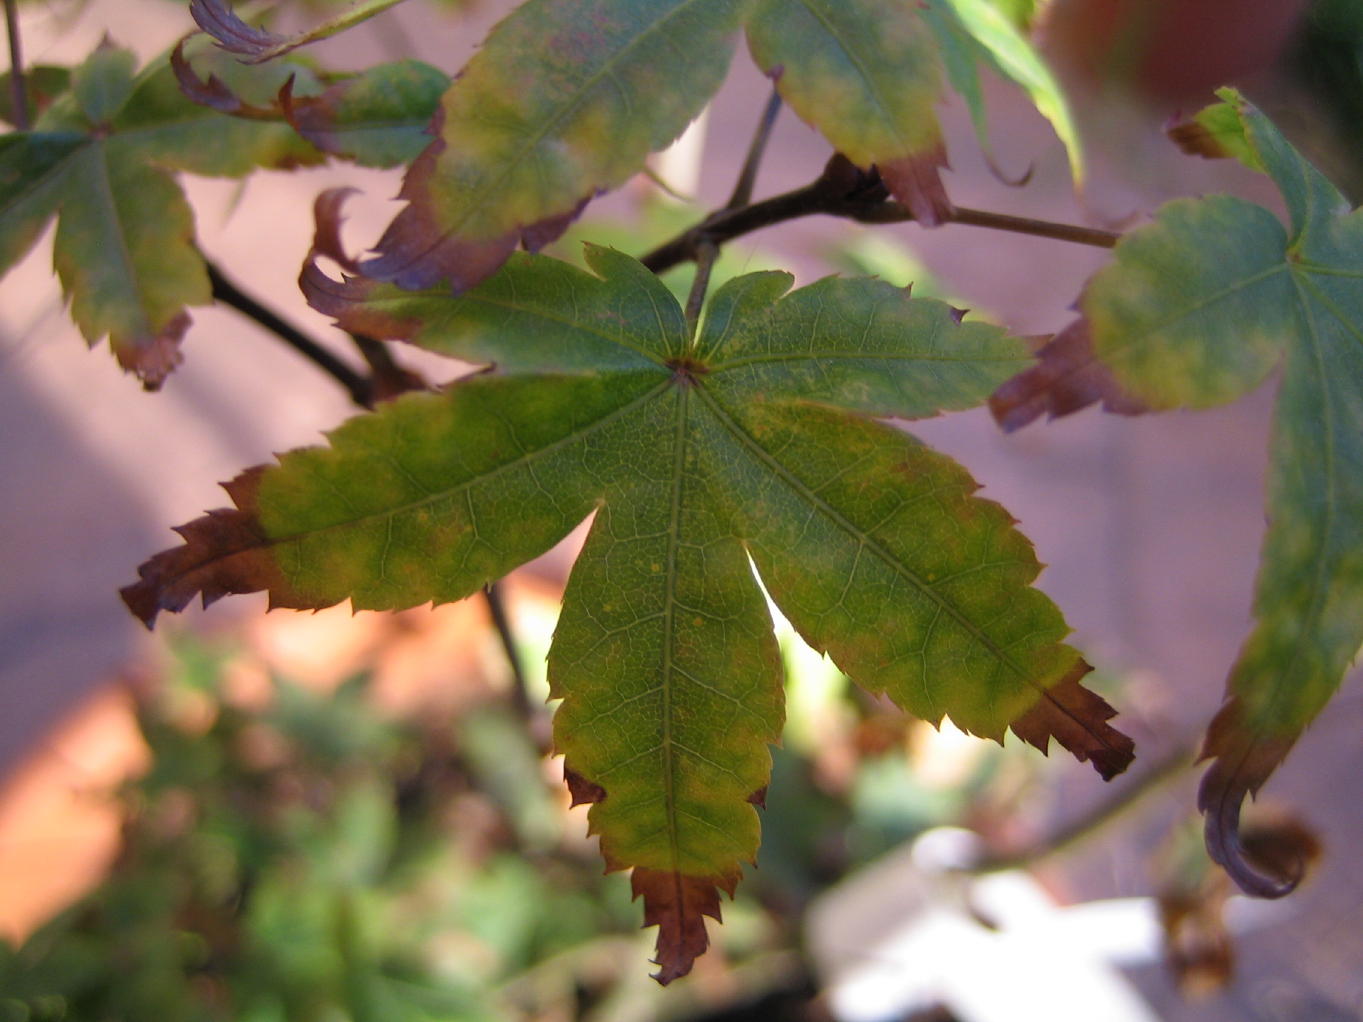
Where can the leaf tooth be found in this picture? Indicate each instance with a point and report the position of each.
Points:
(153, 359)
(583, 791)
(1077, 718)
(213, 93)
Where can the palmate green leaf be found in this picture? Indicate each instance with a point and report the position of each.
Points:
(1197, 309)
(101, 159)
(754, 445)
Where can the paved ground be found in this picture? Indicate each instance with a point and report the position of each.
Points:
(1150, 527)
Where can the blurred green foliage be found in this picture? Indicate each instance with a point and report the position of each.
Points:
(309, 858)
(312, 861)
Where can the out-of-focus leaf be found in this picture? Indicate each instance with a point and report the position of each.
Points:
(256, 45)
(100, 158)
(1195, 310)
(1216, 131)
(42, 83)
(754, 444)
(969, 31)
(867, 75)
(378, 118)
(565, 99)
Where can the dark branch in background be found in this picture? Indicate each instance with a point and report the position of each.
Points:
(844, 191)
(388, 380)
(360, 388)
(18, 88)
(747, 177)
(705, 249)
(706, 254)
(1171, 766)
(520, 693)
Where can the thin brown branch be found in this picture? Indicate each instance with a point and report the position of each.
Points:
(747, 177)
(706, 254)
(845, 192)
(501, 622)
(360, 388)
(18, 87)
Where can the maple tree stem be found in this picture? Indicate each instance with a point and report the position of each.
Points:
(501, 622)
(706, 253)
(747, 177)
(17, 86)
(861, 198)
(360, 388)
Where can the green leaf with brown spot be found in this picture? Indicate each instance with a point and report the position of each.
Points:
(100, 158)
(753, 444)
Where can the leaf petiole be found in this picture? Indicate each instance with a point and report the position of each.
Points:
(18, 88)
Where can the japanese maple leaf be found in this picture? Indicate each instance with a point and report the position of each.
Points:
(102, 159)
(1197, 309)
(749, 447)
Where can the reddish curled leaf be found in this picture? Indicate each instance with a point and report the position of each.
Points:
(214, 93)
(255, 45)
(417, 252)
(228, 30)
(225, 552)
(326, 236)
(678, 905)
(1066, 378)
(1242, 760)
(1078, 719)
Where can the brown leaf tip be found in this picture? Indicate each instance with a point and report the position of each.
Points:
(1066, 378)
(916, 181)
(1242, 760)
(1077, 718)
(583, 791)
(677, 904)
(225, 552)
